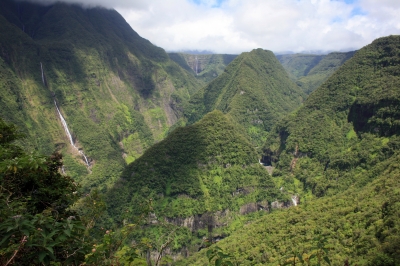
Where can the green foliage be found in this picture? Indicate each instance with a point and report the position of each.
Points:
(217, 255)
(357, 226)
(196, 169)
(254, 90)
(36, 225)
(346, 126)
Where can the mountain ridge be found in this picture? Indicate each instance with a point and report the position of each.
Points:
(118, 92)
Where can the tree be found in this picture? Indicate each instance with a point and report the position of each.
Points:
(36, 223)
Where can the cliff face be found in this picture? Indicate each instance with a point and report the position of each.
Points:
(205, 67)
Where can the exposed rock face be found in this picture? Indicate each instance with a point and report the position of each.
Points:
(217, 219)
(253, 207)
(200, 221)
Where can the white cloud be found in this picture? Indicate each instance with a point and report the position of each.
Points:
(234, 26)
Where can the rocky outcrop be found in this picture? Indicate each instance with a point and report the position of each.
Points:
(216, 219)
(253, 207)
(295, 200)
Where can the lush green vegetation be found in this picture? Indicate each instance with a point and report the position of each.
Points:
(340, 153)
(205, 167)
(205, 67)
(310, 71)
(36, 225)
(346, 126)
(42, 222)
(118, 93)
(358, 226)
(254, 89)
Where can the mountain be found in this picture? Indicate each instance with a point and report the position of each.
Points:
(205, 167)
(201, 178)
(310, 71)
(346, 125)
(205, 67)
(254, 90)
(117, 93)
(339, 152)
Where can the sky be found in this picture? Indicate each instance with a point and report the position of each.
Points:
(235, 26)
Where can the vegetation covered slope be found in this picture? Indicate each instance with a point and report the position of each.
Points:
(310, 71)
(254, 89)
(205, 67)
(346, 126)
(341, 146)
(204, 167)
(357, 227)
(118, 92)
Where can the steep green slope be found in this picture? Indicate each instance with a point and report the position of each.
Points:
(310, 71)
(205, 67)
(342, 144)
(344, 127)
(118, 92)
(204, 167)
(254, 90)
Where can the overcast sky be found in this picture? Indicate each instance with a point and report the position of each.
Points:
(235, 26)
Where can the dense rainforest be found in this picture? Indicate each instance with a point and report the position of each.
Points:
(155, 158)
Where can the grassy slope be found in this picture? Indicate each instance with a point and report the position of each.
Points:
(342, 144)
(117, 91)
(254, 89)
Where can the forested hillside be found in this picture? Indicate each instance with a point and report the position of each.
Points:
(117, 92)
(310, 71)
(341, 147)
(254, 90)
(205, 167)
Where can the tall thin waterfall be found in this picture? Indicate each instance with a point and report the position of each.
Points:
(41, 68)
(65, 126)
(197, 63)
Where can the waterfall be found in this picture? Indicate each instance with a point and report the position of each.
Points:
(65, 126)
(197, 63)
(294, 200)
(41, 68)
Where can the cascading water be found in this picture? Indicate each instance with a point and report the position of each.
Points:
(294, 200)
(65, 126)
(41, 68)
(197, 63)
